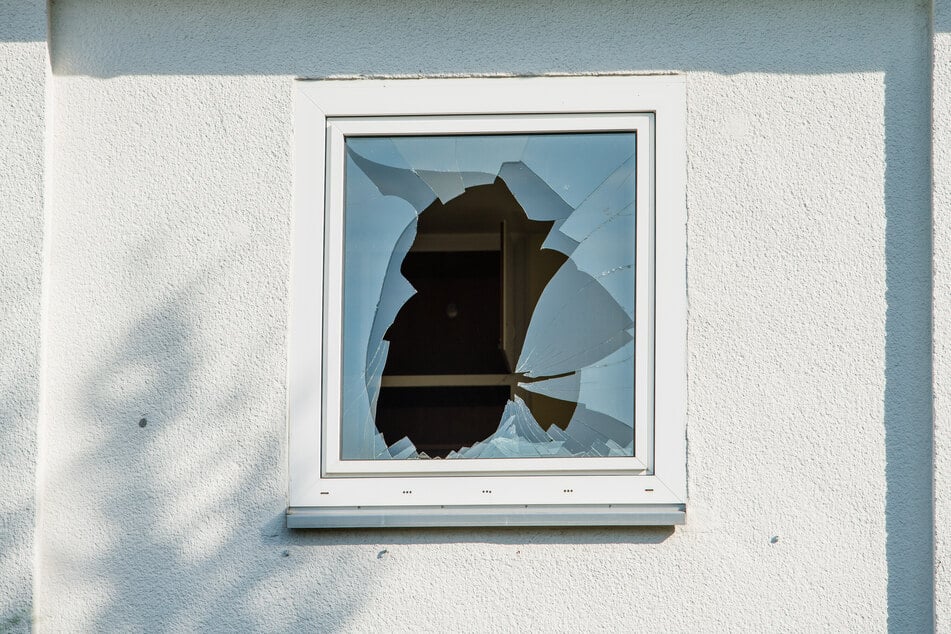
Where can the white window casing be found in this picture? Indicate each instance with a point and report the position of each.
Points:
(647, 488)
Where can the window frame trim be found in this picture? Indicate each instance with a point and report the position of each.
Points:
(317, 498)
(340, 128)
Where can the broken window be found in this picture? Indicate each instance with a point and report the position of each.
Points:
(488, 296)
(488, 302)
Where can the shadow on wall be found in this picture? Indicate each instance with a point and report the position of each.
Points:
(16, 527)
(909, 518)
(506, 536)
(22, 21)
(176, 491)
(105, 39)
(190, 483)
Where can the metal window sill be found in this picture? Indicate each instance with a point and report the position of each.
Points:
(524, 515)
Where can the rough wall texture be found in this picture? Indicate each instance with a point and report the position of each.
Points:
(24, 68)
(941, 209)
(808, 272)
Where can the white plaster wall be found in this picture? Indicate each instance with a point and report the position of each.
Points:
(941, 202)
(24, 67)
(808, 273)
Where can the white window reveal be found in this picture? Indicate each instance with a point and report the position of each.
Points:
(488, 302)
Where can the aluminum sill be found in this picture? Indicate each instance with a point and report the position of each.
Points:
(430, 516)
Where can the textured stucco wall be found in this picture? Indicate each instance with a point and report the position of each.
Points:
(809, 346)
(24, 67)
(941, 209)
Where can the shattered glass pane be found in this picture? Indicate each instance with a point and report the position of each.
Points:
(489, 296)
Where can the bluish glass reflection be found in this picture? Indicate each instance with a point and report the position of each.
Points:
(578, 345)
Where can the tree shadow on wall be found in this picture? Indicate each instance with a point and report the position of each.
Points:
(180, 484)
(177, 493)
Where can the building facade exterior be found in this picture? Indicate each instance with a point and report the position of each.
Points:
(147, 205)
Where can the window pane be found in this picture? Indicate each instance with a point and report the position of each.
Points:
(489, 296)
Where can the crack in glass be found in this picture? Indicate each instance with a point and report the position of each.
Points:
(574, 356)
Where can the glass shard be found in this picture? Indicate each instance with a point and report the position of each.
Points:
(606, 387)
(485, 154)
(434, 160)
(393, 181)
(575, 164)
(581, 316)
(537, 198)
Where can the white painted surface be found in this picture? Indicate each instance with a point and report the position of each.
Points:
(326, 113)
(809, 410)
(941, 205)
(24, 68)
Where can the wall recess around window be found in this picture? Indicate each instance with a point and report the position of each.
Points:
(488, 302)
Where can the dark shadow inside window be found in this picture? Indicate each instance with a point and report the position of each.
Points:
(478, 269)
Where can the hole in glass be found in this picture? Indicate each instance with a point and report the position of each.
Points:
(489, 296)
(452, 328)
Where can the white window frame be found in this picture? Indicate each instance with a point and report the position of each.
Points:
(649, 488)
